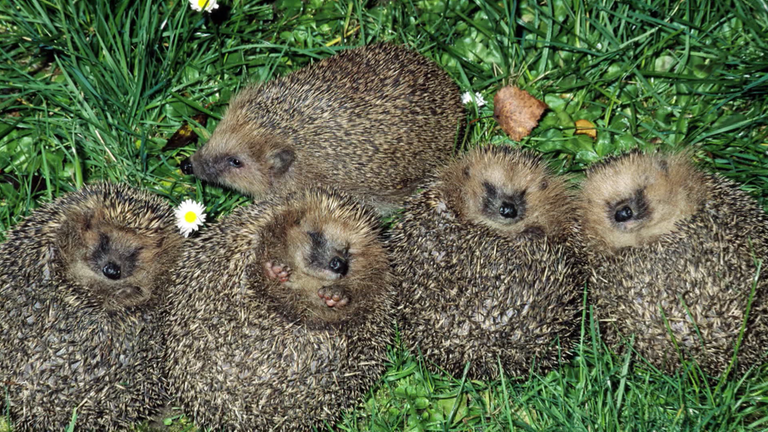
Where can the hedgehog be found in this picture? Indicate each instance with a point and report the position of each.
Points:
(672, 253)
(485, 266)
(82, 281)
(348, 121)
(282, 318)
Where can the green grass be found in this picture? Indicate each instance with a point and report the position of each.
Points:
(92, 90)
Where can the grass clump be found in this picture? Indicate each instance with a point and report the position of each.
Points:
(93, 90)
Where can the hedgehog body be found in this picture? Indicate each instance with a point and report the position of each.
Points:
(485, 268)
(348, 121)
(282, 319)
(81, 285)
(673, 256)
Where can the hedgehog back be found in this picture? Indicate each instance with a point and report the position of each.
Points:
(357, 116)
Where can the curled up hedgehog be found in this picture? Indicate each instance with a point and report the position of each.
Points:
(485, 266)
(282, 316)
(674, 255)
(81, 285)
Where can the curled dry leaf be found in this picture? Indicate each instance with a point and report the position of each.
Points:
(517, 112)
(586, 127)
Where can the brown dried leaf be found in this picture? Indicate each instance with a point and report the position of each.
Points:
(517, 112)
(184, 135)
(586, 127)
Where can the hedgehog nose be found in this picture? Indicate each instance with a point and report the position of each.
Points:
(186, 166)
(111, 270)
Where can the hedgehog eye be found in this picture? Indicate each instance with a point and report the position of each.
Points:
(234, 162)
(623, 214)
(338, 265)
(111, 271)
(508, 210)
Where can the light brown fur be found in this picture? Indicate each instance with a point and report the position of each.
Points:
(544, 207)
(670, 186)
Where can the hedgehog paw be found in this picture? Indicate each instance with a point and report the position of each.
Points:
(277, 271)
(333, 297)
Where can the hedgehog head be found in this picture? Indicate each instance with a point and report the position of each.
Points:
(330, 244)
(116, 248)
(243, 154)
(510, 191)
(636, 198)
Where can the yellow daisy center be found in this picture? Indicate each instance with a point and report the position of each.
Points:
(190, 216)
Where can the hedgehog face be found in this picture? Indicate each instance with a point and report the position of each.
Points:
(109, 264)
(240, 158)
(325, 251)
(638, 198)
(510, 192)
(331, 261)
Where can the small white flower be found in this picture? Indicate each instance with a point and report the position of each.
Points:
(478, 99)
(189, 216)
(203, 5)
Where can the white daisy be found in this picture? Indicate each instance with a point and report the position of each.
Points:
(478, 99)
(189, 216)
(203, 5)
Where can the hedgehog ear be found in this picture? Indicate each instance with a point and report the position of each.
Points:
(664, 166)
(280, 161)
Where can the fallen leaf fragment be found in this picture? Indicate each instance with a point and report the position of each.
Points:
(586, 127)
(517, 112)
(184, 135)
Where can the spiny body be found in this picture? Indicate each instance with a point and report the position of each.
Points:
(485, 267)
(81, 285)
(283, 316)
(372, 121)
(672, 253)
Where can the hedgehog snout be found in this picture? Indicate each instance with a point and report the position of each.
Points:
(111, 271)
(508, 210)
(338, 265)
(186, 167)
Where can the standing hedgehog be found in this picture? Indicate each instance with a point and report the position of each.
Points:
(283, 317)
(348, 121)
(81, 282)
(485, 269)
(672, 252)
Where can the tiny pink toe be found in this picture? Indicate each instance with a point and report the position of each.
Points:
(268, 268)
(330, 302)
(343, 302)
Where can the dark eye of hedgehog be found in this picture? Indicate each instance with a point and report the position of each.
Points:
(508, 210)
(338, 265)
(234, 162)
(623, 214)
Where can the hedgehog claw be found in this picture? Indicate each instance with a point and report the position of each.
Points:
(277, 271)
(333, 298)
